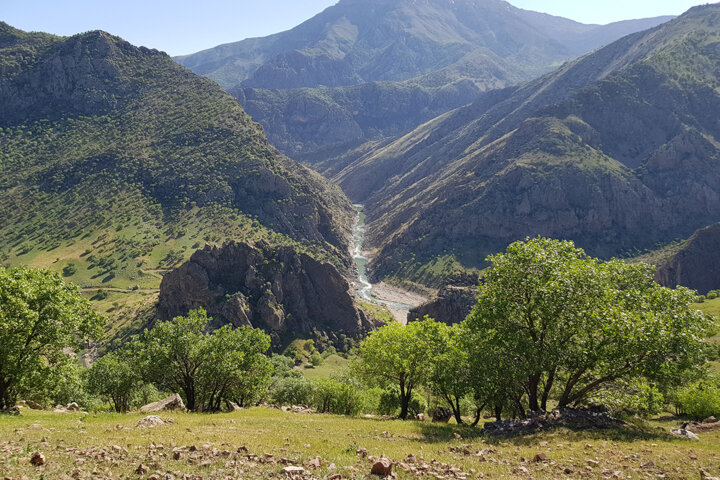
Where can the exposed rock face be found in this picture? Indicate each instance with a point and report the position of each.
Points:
(696, 265)
(451, 305)
(286, 293)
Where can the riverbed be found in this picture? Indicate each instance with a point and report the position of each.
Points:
(397, 300)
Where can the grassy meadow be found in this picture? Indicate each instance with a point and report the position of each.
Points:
(77, 445)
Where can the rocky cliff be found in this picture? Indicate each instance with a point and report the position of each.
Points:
(696, 264)
(286, 293)
(451, 305)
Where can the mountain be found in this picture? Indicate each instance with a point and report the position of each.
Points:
(618, 150)
(116, 164)
(361, 41)
(366, 70)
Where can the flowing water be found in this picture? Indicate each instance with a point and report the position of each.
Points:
(364, 290)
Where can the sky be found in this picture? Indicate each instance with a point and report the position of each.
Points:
(183, 26)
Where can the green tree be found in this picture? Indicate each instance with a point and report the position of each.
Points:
(40, 317)
(112, 376)
(558, 318)
(400, 355)
(181, 356)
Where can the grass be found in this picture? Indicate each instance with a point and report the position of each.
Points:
(332, 366)
(108, 445)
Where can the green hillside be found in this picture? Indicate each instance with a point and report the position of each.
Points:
(116, 164)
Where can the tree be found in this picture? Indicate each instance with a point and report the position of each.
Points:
(208, 368)
(400, 355)
(557, 318)
(450, 376)
(40, 317)
(113, 376)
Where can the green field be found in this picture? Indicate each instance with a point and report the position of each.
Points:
(112, 446)
(332, 366)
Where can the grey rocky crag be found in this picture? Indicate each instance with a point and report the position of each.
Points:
(696, 264)
(286, 293)
(451, 305)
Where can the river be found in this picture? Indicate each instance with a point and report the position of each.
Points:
(372, 293)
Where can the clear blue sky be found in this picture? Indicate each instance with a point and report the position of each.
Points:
(183, 26)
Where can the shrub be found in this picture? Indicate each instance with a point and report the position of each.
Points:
(701, 400)
(292, 391)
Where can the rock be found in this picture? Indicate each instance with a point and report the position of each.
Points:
(11, 411)
(234, 406)
(710, 419)
(681, 432)
(276, 288)
(361, 452)
(33, 405)
(541, 457)
(315, 463)
(421, 417)
(335, 476)
(441, 414)
(37, 459)
(73, 407)
(150, 421)
(173, 402)
(293, 470)
(382, 467)
(153, 477)
(451, 305)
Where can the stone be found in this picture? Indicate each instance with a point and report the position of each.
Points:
(710, 419)
(293, 470)
(315, 463)
(541, 457)
(361, 452)
(37, 459)
(33, 405)
(11, 411)
(73, 407)
(173, 402)
(681, 432)
(382, 467)
(141, 469)
(150, 421)
(421, 417)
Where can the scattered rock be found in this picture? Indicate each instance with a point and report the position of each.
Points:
(540, 457)
(37, 459)
(150, 421)
(681, 432)
(173, 402)
(315, 463)
(361, 452)
(382, 467)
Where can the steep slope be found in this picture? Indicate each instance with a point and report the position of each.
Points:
(617, 150)
(273, 288)
(695, 263)
(116, 163)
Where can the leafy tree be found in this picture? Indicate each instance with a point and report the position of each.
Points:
(114, 377)
(207, 368)
(400, 355)
(552, 315)
(40, 317)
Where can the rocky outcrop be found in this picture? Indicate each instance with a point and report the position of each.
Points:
(451, 305)
(286, 293)
(696, 265)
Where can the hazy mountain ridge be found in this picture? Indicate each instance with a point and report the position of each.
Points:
(363, 71)
(624, 155)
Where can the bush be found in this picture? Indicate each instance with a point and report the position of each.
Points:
(292, 391)
(69, 270)
(316, 360)
(701, 400)
(630, 397)
(332, 396)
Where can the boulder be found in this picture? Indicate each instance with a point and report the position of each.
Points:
(72, 407)
(173, 402)
(150, 421)
(382, 467)
(11, 411)
(681, 432)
